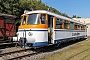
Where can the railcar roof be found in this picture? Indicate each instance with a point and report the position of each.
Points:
(53, 14)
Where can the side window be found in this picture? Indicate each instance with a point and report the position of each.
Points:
(24, 20)
(58, 23)
(66, 23)
(43, 18)
(78, 26)
(84, 27)
(71, 25)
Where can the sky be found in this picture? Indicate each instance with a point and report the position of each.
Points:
(71, 7)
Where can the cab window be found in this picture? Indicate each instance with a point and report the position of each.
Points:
(23, 20)
(33, 19)
(43, 18)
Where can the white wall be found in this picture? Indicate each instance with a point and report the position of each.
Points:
(88, 30)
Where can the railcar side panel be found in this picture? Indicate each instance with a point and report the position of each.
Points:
(1, 26)
(67, 35)
(10, 29)
(1, 22)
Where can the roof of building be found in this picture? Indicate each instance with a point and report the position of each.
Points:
(85, 20)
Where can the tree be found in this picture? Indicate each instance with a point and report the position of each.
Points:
(78, 17)
(17, 7)
(74, 16)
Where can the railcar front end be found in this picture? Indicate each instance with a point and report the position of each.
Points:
(33, 30)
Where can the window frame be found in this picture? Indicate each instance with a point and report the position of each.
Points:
(22, 21)
(28, 19)
(68, 24)
(73, 25)
(59, 24)
(45, 18)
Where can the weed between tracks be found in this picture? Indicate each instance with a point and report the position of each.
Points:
(67, 53)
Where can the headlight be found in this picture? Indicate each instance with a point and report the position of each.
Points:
(17, 34)
(30, 34)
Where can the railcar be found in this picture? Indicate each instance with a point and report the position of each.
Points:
(7, 26)
(42, 28)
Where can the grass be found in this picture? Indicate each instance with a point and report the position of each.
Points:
(65, 54)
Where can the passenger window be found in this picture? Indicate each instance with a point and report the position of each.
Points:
(43, 18)
(66, 23)
(84, 27)
(58, 23)
(78, 26)
(71, 25)
(75, 27)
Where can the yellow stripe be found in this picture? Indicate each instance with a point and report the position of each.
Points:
(44, 26)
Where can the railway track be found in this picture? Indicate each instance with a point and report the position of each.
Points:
(26, 55)
(19, 54)
(28, 52)
(7, 45)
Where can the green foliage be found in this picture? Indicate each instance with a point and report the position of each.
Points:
(10, 7)
(78, 17)
(64, 14)
(74, 16)
(17, 7)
